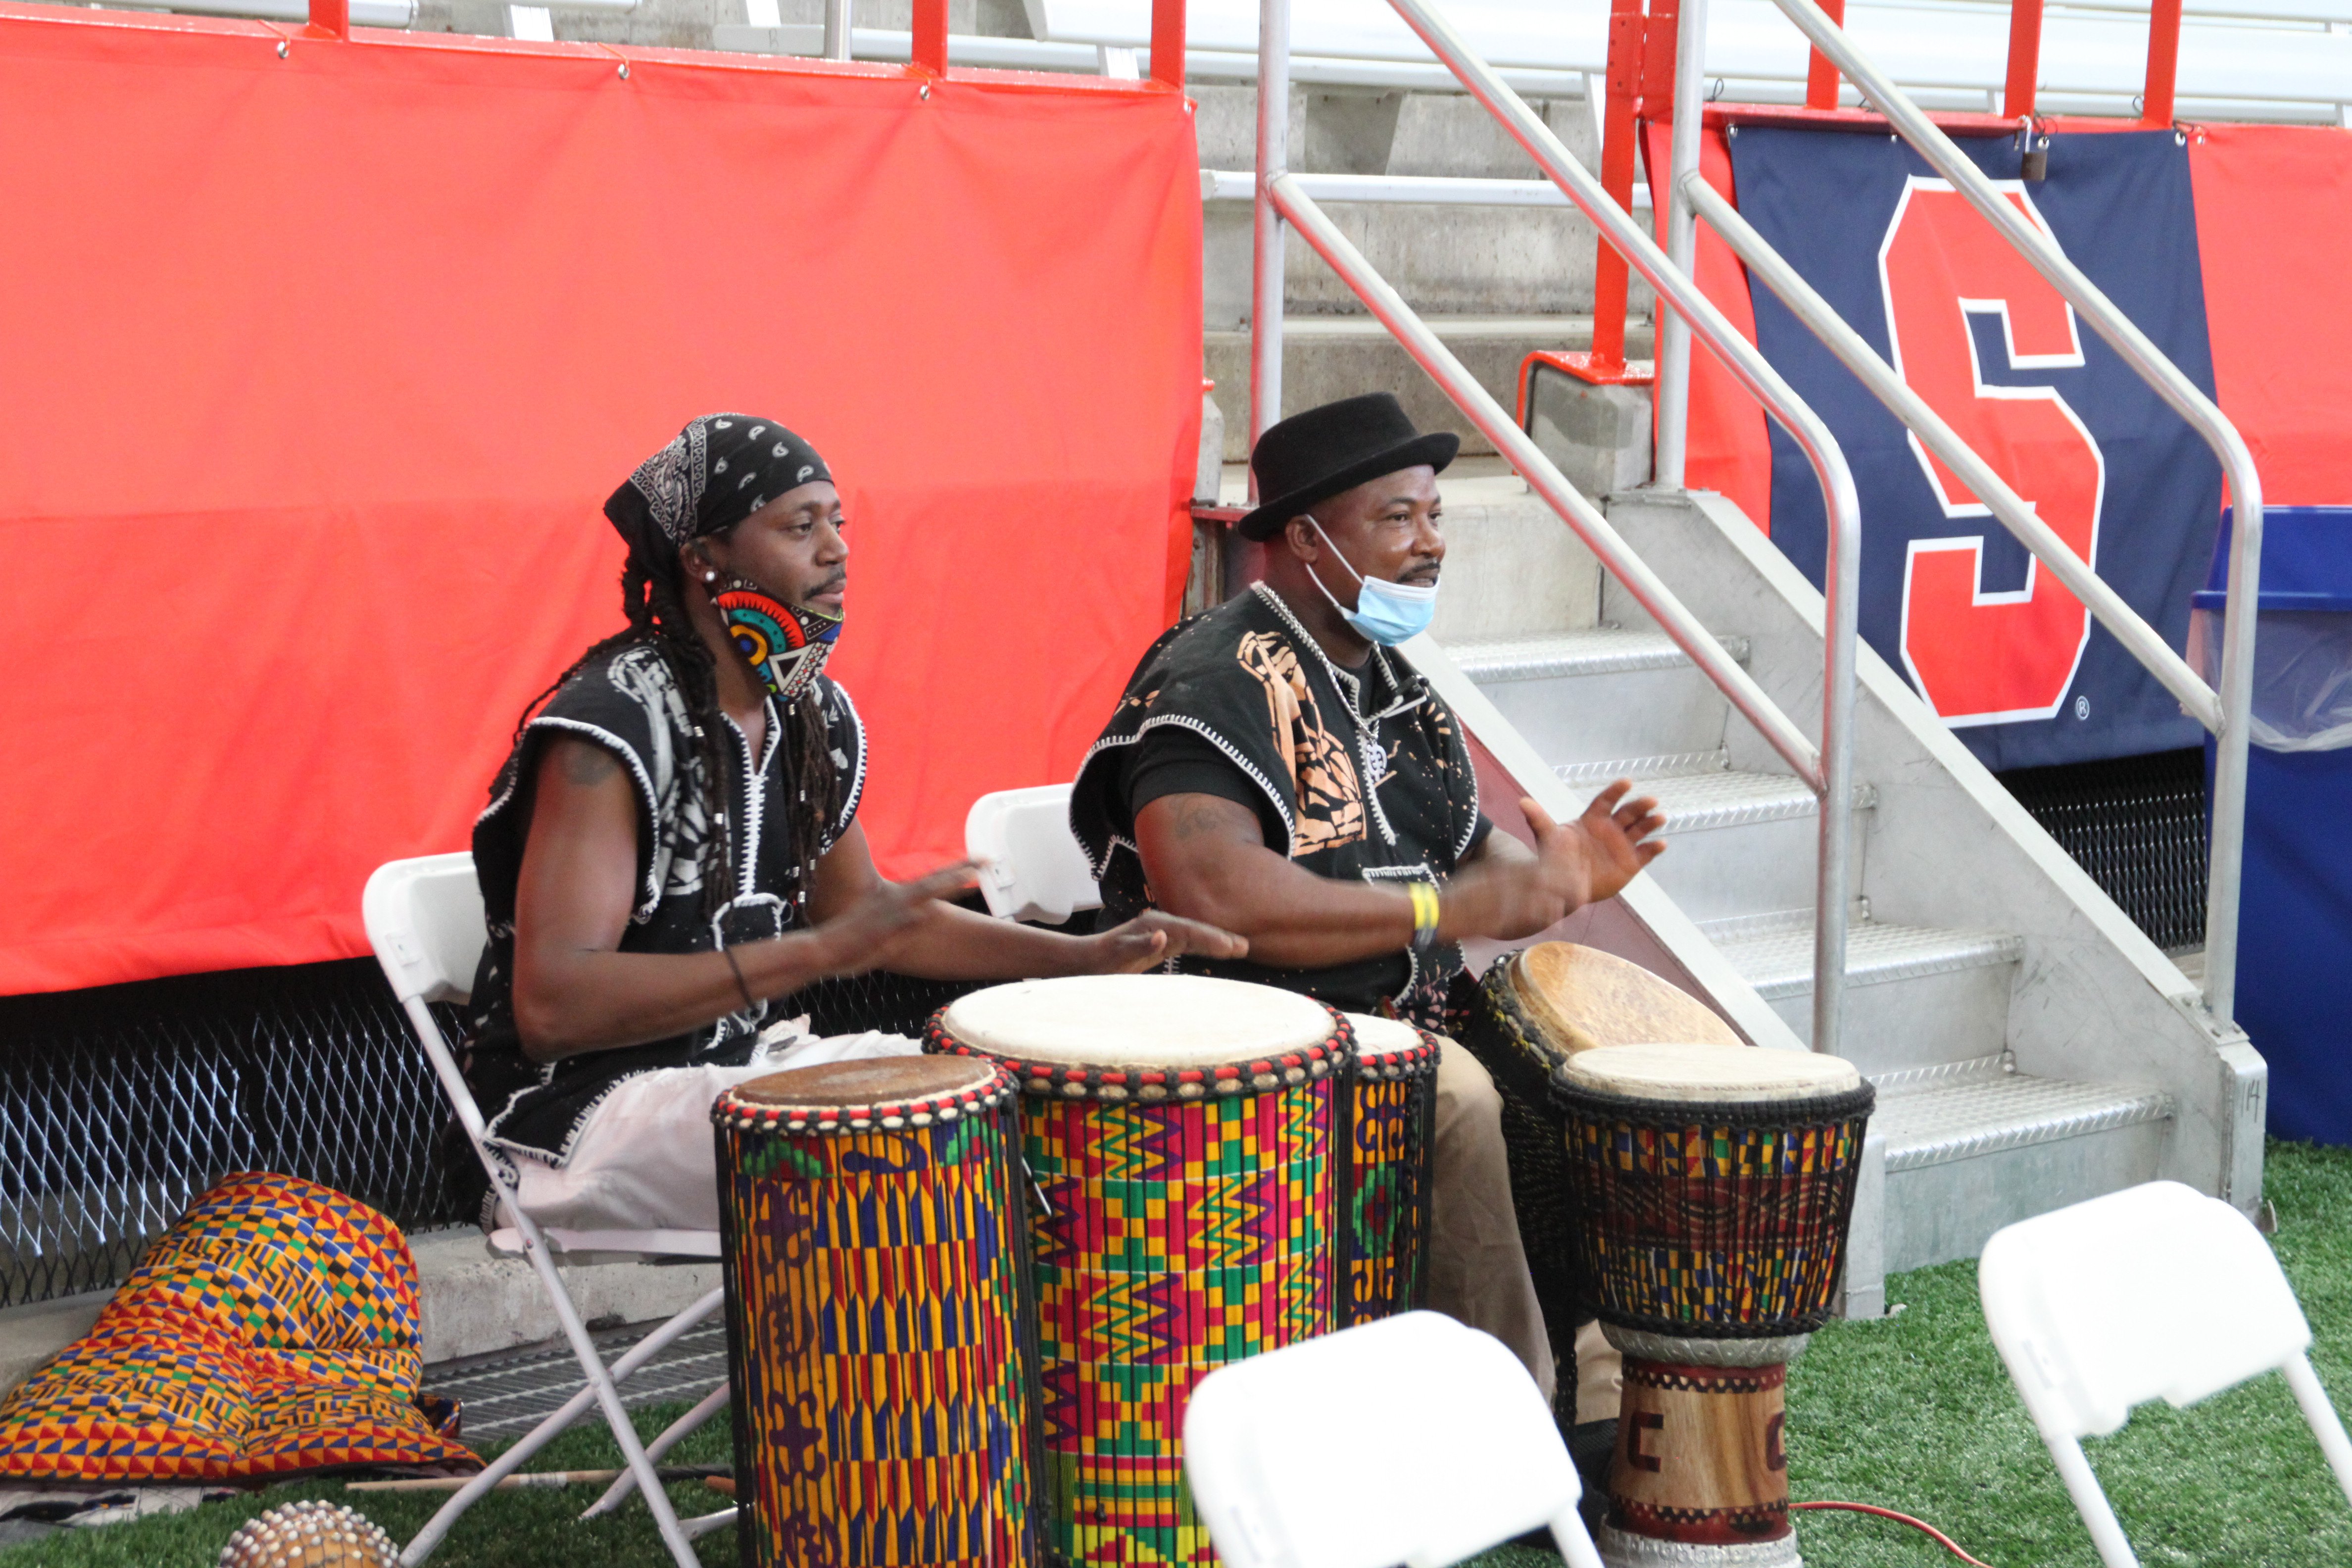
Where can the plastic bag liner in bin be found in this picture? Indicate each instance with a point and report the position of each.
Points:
(2295, 912)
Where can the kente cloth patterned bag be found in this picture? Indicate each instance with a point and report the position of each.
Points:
(272, 1331)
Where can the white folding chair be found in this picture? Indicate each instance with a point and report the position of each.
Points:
(1413, 1440)
(1032, 867)
(2156, 1291)
(424, 919)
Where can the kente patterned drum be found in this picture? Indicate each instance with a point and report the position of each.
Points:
(1391, 1124)
(1181, 1132)
(1712, 1190)
(878, 1303)
(1534, 1010)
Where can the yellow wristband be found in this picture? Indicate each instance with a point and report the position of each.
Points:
(1425, 914)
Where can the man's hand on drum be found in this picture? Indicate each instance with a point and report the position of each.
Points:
(1151, 938)
(863, 922)
(1512, 892)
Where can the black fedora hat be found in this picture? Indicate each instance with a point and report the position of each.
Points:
(1314, 455)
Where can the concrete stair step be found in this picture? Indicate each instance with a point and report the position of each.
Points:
(1595, 651)
(1758, 854)
(1590, 699)
(1917, 996)
(1327, 357)
(1972, 1146)
(1704, 800)
(1779, 962)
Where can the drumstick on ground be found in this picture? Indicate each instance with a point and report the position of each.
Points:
(538, 1478)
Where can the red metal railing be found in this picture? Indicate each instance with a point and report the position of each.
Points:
(1641, 87)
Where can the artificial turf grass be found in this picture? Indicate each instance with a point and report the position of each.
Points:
(532, 1529)
(1913, 1413)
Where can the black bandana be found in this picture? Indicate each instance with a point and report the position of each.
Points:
(716, 472)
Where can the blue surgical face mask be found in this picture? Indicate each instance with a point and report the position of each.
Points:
(1386, 613)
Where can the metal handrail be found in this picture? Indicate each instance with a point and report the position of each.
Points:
(1841, 580)
(2228, 718)
(1828, 770)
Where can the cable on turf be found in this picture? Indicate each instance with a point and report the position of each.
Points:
(1945, 1542)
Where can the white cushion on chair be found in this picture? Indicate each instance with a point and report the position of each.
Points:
(1032, 867)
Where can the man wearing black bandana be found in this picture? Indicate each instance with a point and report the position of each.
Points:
(1279, 769)
(673, 846)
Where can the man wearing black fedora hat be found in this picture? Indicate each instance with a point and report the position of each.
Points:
(1276, 768)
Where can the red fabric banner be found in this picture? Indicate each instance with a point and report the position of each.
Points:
(322, 364)
(2274, 299)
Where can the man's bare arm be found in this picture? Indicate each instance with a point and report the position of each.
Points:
(951, 943)
(575, 992)
(1206, 858)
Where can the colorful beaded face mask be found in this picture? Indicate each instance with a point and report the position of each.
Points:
(786, 645)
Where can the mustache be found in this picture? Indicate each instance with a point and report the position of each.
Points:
(835, 583)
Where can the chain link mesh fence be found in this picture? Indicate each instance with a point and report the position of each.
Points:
(119, 1105)
(2138, 826)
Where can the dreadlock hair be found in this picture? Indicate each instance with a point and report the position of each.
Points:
(654, 586)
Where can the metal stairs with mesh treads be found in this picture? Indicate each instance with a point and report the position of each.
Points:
(2029, 1045)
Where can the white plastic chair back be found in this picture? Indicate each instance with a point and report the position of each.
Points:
(423, 917)
(1413, 1440)
(2155, 1292)
(1032, 867)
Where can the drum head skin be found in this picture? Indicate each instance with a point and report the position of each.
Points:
(1136, 1020)
(886, 1092)
(874, 1080)
(1379, 1036)
(1707, 1074)
(1584, 998)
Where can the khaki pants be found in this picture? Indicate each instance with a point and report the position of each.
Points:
(1477, 1268)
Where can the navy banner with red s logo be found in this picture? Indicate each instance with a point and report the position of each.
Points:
(2001, 650)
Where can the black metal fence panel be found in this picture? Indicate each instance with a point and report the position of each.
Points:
(119, 1105)
(2138, 826)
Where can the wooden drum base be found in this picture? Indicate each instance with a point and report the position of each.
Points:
(1700, 1476)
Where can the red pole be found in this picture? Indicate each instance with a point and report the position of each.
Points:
(2025, 58)
(930, 49)
(1167, 42)
(1617, 134)
(1822, 76)
(2163, 63)
(331, 18)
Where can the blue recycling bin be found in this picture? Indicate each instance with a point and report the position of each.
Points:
(2294, 916)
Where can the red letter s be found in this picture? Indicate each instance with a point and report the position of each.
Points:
(1985, 657)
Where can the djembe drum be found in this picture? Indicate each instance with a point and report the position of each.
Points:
(1534, 1010)
(872, 1220)
(1181, 1133)
(1390, 1122)
(1712, 1192)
